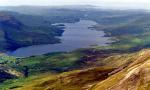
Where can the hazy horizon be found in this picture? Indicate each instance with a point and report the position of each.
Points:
(111, 4)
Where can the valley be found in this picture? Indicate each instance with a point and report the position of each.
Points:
(75, 36)
(49, 48)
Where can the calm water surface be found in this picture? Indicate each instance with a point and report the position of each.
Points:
(77, 35)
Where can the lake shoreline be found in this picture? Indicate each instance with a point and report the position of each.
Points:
(75, 36)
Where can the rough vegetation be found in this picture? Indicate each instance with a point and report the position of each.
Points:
(135, 76)
(117, 72)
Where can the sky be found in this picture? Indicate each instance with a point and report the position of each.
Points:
(133, 4)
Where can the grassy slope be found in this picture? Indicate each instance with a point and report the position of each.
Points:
(134, 77)
(133, 33)
(74, 80)
(79, 79)
(60, 62)
(56, 62)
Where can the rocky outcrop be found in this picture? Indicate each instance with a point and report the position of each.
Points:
(8, 73)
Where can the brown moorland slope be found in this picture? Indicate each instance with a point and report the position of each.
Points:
(118, 72)
(133, 77)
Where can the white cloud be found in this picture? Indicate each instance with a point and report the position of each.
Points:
(140, 4)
